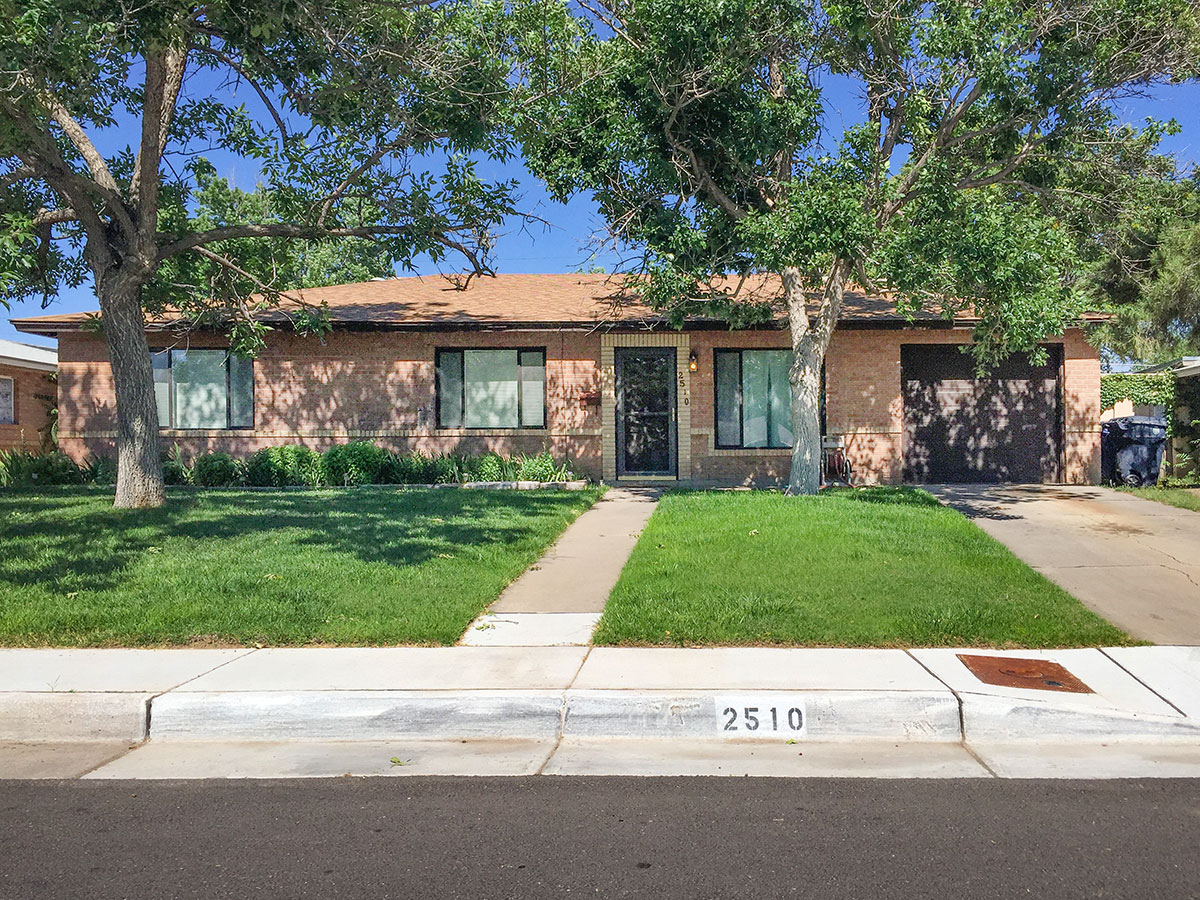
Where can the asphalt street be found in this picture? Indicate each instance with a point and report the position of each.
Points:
(484, 838)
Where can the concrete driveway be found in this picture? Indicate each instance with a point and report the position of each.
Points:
(1135, 562)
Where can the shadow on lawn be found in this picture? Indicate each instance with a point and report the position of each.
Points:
(884, 494)
(47, 535)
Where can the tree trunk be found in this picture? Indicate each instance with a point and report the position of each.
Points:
(805, 375)
(810, 340)
(139, 460)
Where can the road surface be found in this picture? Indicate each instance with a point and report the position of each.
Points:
(526, 838)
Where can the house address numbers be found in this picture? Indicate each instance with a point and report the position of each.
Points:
(760, 715)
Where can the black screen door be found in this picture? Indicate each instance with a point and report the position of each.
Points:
(645, 410)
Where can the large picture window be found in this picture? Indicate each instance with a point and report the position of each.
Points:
(203, 389)
(754, 398)
(8, 402)
(491, 388)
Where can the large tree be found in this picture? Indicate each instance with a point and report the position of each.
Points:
(703, 129)
(360, 118)
(1146, 269)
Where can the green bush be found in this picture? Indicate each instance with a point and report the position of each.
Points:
(288, 465)
(175, 470)
(416, 469)
(489, 467)
(542, 468)
(100, 470)
(449, 469)
(358, 462)
(216, 470)
(23, 469)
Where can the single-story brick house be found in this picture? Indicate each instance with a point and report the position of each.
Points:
(27, 393)
(518, 363)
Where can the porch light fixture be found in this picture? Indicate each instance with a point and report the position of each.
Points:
(693, 362)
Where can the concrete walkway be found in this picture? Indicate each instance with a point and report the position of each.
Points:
(1135, 562)
(560, 598)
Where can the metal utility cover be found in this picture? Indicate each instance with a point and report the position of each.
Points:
(1031, 674)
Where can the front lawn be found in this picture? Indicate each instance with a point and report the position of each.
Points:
(366, 566)
(871, 567)
(1184, 498)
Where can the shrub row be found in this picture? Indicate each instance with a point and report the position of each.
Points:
(22, 468)
(359, 462)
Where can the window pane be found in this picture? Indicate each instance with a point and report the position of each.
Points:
(490, 377)
(780, 400)
(449, 389)
(200, 395)
(756, 407)
(533, 388)
(241, 392)
(8, 405)
(728, 378)
(162, 386)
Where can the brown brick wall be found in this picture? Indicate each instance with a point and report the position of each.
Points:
(379, 386)
(373, 386)
(30, 409)
(864, 399)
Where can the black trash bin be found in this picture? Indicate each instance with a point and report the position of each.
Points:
(1131, 449)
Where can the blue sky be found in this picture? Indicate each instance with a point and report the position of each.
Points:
(562, 245)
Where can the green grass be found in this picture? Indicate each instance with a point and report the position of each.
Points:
(1184, 498)
(366, 566)
(883, 567)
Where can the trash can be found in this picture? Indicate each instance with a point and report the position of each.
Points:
(1131, 449)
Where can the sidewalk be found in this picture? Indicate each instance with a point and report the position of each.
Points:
(503, 710)
(560, 598)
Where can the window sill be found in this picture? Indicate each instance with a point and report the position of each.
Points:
(750, 451)
(201, 432)
(528, 429)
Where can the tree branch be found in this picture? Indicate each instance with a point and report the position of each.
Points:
(173, 245)
(164, 78)
(54, 217)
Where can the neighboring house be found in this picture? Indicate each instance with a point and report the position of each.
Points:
(27, 393)
(518, 363)
(1180, 457)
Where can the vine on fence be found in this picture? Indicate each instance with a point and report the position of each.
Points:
(1149, 388)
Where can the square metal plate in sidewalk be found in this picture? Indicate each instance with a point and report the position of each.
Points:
(1031, 674)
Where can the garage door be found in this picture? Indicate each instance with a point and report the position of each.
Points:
(959, 428)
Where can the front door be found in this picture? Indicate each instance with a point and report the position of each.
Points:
(645, 411)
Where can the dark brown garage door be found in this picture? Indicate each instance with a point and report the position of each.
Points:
(959, 428)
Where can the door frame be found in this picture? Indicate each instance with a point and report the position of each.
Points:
(620, 354)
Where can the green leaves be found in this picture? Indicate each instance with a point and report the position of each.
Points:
(982, 177)
(341, 109)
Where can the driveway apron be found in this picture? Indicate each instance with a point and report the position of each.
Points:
(1135, 562)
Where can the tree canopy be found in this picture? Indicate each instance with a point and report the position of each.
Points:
(703, 129)
(361, 119)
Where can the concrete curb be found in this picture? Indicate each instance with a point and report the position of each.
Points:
(71, 716)
(355, 715)
(1005, 720)
(539, 715)
(827, 715)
